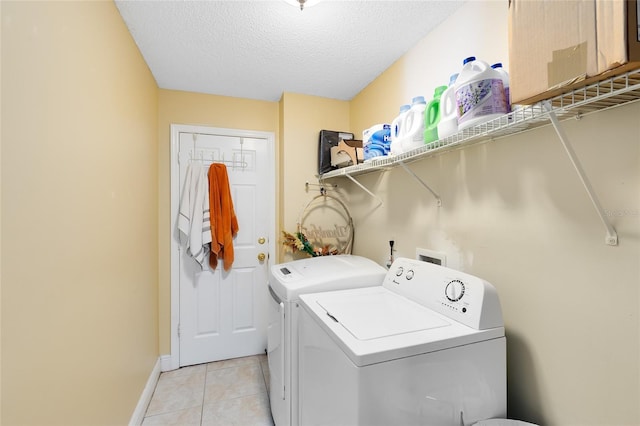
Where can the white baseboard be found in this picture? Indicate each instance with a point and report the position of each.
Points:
(166, 363)
(147, 393)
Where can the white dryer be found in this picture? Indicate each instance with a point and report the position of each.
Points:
(287, 282)
(427, 347)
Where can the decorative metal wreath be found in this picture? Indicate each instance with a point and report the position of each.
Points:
(316, 240)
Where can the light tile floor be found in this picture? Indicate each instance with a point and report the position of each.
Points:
(231, 392)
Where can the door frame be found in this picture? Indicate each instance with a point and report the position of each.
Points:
(176, 129)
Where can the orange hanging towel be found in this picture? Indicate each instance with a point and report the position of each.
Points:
(224, 224)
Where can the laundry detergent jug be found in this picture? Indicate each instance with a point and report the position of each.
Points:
(414, 125)
(505, 83)
(479, 94)
(448, 124)
(432, 116)
(398, 129)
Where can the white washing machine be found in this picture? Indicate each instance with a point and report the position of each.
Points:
(427, 347)
(287, 282)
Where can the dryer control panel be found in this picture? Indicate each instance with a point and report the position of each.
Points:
(460, 296)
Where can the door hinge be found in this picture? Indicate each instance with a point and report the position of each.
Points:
(178, 330)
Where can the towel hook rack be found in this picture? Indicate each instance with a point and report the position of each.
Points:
(322, 186)
(199, 155)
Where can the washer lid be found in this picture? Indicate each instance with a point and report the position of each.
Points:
(324, 273)
(381, 314)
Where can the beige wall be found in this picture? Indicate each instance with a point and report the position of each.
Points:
(514, 212)
(175, 107)
(79, 215)
(303, 117)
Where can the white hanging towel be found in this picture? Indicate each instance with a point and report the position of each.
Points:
(194, 221)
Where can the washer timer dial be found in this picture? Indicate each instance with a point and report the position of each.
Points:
(454, 290)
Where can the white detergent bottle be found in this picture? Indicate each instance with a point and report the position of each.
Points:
(398, 130)
(448, 124)
(479, 94)
(505, 83)
(414, 125)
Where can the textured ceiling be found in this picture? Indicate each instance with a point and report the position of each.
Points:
(262, 48)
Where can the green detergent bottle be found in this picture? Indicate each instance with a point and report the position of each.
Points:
(432, 116)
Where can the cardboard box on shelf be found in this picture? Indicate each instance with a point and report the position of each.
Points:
(556, 46)
(347, 153)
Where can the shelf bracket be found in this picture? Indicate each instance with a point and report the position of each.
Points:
(611, 237)
(421, 182)
(364, 188)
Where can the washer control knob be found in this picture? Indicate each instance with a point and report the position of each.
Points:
(410, 274)
(454, 290)
(399, 271)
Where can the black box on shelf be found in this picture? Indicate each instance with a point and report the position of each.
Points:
(327, 140)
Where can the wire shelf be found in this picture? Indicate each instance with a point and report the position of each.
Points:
(605, 94)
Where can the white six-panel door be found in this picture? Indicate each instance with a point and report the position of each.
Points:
(223, 314)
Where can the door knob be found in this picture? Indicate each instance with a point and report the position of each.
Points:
(261, 240)
(262, 257)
